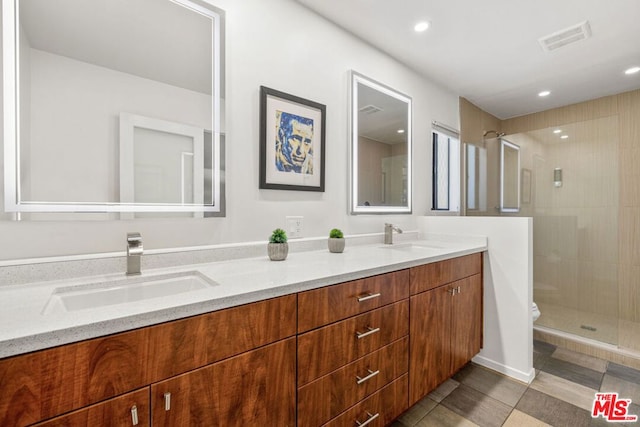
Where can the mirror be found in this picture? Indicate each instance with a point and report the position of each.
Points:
(476, 178)
(509, 177)
(380, 148)
(112, 106)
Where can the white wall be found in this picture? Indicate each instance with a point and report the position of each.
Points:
(508, 288)
(282, 45)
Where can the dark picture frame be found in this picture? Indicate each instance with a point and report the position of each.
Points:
(292, 142)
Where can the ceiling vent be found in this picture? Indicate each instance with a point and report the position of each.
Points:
(370, 109)
(567, 36)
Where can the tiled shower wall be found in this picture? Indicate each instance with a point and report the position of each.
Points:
(587, 232)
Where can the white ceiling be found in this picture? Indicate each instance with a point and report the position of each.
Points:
(488, 51)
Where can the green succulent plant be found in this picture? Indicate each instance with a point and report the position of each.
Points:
(278, 236)
(336, 233)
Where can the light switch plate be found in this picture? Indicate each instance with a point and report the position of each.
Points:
(294, 226)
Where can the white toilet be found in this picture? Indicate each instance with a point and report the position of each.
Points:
(535, 311)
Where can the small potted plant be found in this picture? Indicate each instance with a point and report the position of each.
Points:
(278, 247)
(336, 241)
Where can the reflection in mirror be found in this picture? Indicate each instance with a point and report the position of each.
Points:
(509, 177)
(476, 174)
(119, 106)
(380, 148)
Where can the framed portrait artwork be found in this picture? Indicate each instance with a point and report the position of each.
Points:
(292, 142)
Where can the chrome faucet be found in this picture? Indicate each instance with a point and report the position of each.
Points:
(134, 253)
(388, 233)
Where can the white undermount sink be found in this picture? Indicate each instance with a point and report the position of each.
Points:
(410, 246)
(123, 291)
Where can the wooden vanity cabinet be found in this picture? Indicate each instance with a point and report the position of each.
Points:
(445, 325)
(45, 384)
(355, 353)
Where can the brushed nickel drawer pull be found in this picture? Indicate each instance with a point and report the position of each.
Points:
(370, 418)
(452, 291)
(370, 331)
(458, 288)
(167, 401)
(134, 415)
(368, 377)
(368, 296)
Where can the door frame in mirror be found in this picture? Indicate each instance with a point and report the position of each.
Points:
(356, 79)
(509, 209)
(11, 103)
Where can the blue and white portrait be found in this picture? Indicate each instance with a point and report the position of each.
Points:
(294, 143)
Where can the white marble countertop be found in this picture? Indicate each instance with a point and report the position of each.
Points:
(28, 326)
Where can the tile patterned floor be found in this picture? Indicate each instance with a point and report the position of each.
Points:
(561, 395)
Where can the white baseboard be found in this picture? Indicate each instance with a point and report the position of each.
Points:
(525, 377)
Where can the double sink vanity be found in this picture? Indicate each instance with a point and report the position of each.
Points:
(320, 339)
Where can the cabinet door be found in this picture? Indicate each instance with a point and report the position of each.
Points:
(430, 341)
(131, 409)
(254, 388)
(466, 321)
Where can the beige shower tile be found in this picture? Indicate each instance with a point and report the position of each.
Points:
(598, 290)
(630, 235)
(629, 111)
(630, 335)
(629, 158)
(629, 293)
(629, 189)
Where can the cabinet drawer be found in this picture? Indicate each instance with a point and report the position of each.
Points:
(323, 399)
(323, 350)
(378, 410)
(117, 412)
(326, 305)
(436, 274)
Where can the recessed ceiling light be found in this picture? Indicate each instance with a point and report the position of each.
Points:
(421, 26)
(632, 70)
(400, 130)
(557, 131)
(564, 136)
(544, 93)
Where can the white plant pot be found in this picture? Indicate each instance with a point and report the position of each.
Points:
(278, 251)
(336, 245)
